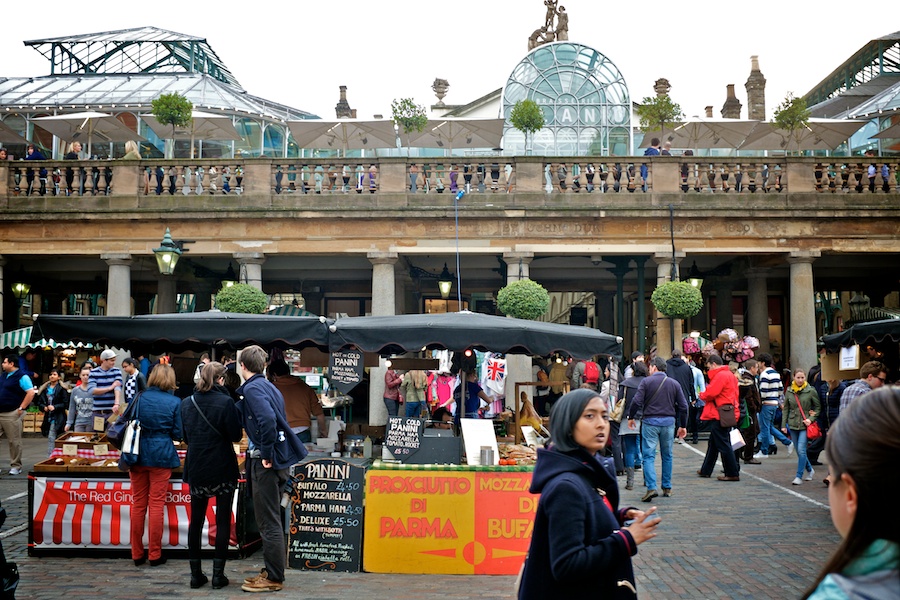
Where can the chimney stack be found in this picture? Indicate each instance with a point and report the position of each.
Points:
(756, 91)
(732, 107)
(343, 110)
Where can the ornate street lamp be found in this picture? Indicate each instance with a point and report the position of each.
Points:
(20, 291)
(445, 282)
(230, 278)
(167, 254)
(859, 306)
(694, 276)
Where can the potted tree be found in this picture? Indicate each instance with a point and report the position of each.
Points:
(175, 110)
(527, 117)
(409, 116)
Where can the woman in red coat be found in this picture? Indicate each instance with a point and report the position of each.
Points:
(722, 390)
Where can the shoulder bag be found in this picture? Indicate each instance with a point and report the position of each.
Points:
(727, 418)
(813, 431)
(115, 434)
(203, 416)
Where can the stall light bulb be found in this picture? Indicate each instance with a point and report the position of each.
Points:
(468, 352)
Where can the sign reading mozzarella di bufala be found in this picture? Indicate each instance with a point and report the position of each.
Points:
(345, 368)
(327, 516)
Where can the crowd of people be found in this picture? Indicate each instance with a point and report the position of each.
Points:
(583, 539)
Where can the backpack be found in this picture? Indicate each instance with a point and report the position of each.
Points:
(591, 372)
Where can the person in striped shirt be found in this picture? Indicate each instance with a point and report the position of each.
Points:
(771, 394)
(107, 382)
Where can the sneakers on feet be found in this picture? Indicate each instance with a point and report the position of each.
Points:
(759, 455)
(263, 574)
(650, 495)
(667, 492)
(790, 449)
(810, 475)
(263, 584)
(15, 471)
(797, 481)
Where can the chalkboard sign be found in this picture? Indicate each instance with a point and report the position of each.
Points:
(403, 437)
(346, 369)
(327, 516)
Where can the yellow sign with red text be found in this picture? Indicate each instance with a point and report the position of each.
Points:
(466, 523)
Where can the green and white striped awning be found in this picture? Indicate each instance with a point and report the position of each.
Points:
(290, 311)
(18, 339)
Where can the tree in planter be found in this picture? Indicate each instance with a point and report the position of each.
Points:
(242, 298)
(659, 114)
(527, 117)
(523, 299)
(409, 116)
(175, 110)
(792, 115)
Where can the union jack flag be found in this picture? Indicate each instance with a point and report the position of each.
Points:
(496, 370)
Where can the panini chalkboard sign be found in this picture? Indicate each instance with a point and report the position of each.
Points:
(403, 437)
(327, 516)
(345, 369)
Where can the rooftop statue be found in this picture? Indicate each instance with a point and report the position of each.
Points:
(550, 32)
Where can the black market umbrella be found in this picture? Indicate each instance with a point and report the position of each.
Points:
(458, 331)
(186, 331)
(873, 331)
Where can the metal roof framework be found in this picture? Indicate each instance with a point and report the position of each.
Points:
(115, 92)
(141, 50)
(879, 57)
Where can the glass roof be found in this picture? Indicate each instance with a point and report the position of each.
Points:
(30, 95)
(586, 105)
(141, 50)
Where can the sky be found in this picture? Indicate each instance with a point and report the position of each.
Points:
(298, 53)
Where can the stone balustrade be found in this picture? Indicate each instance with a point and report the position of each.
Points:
(485, 175)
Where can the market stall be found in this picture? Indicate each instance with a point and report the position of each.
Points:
(79, 499)
(848, 350)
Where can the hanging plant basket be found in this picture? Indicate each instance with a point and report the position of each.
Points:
(523, 299)
(677, 299)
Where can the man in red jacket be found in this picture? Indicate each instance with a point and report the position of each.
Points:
(722, 390)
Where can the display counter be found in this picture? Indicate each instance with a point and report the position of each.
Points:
(81, 501)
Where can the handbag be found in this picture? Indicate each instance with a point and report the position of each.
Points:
(813, 431)
(736, 439)
(727, 417)
(125, 433)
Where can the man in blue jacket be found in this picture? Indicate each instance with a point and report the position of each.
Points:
(664, 407)
(273, 450)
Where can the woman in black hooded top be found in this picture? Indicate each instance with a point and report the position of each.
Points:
(580, 548)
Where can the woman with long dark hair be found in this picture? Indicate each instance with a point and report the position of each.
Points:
(864, 482)
(211, 426)
(581, 546)
(158, 410)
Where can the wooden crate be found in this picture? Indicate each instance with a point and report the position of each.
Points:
(31, 422)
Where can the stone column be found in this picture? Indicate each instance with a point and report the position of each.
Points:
(724, 304)
(667, 329)
(166, 295)
(518, 366)
(641, 305)
(802, 310)
(620, 270)
(118, 295)
(383, 304)
(203, 292)
(251, 267)
(517, 265)
(758, 307)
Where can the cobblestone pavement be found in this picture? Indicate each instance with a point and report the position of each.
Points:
(758, 538)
